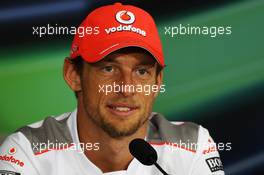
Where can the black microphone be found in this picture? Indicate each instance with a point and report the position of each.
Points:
(144, 153)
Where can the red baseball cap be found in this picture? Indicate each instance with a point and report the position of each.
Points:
(114, 27)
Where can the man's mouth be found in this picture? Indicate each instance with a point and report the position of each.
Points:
(122, 109)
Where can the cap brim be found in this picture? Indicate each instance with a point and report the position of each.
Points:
(119, 43)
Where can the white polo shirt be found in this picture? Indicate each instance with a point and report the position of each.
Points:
(52, 147)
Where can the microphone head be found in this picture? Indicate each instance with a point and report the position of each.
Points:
(143, 151)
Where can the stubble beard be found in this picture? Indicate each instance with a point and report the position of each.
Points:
(113, 131)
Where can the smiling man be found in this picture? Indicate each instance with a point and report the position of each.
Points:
(110, 72)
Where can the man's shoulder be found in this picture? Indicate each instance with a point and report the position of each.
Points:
(52, 129)
(162, 130)
(49, 120)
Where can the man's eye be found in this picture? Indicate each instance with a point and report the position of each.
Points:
(108, 69)
(142, 71)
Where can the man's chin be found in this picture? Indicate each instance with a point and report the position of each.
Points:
(121, 130)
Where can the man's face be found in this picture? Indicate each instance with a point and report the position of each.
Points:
(119, 113)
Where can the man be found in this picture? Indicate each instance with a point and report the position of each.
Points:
(111, 72)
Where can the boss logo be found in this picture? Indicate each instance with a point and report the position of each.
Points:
(214, 164)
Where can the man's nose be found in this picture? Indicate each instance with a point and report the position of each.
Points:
(126, 80)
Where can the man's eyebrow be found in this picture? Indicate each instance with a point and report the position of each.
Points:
(103, 62)
(147, 63)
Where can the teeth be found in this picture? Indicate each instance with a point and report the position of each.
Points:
(122, 109)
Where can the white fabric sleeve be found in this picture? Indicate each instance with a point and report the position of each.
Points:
(16, 156)
(207, 160)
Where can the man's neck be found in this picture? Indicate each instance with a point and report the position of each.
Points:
(113, 153)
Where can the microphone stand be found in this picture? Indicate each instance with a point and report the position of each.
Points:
(161, 170)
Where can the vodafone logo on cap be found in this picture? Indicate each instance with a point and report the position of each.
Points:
(125, 17)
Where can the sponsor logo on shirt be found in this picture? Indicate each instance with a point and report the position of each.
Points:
(125, 17)
(4, 172)
(211, 147)
(12, 151)
(214, 164)
(10, 158)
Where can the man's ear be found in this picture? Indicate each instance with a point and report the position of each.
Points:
(159, 82)
(71, 76)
